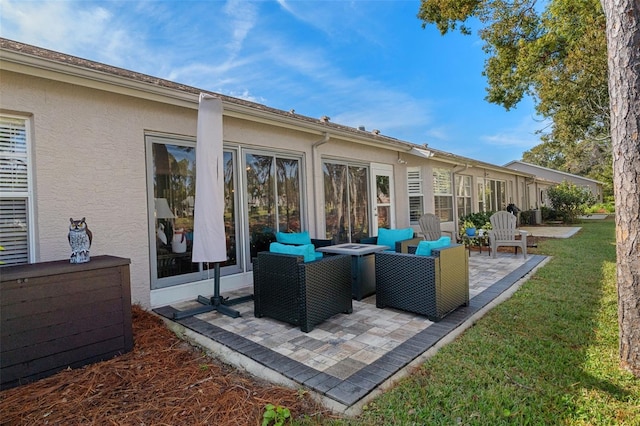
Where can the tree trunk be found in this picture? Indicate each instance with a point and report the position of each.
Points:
(623, 42)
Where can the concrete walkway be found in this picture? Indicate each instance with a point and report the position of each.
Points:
(551, 231)
(349, 359)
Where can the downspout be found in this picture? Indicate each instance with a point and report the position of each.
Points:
(455, 171)
(314, 149)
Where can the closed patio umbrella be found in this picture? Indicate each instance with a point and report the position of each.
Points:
(209, 241)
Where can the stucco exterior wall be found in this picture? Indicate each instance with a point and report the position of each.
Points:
(89, 161)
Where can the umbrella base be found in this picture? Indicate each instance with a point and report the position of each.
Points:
(210, 304)
(215, 303)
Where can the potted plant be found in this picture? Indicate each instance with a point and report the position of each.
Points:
(469, 228)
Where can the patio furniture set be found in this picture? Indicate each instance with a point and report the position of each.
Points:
(304, 282)
(296, 283)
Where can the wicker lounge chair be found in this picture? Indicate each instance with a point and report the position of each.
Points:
(503, 233)
(303, 294)
(428, 285)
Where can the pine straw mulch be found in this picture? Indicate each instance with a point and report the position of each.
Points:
(162, 381)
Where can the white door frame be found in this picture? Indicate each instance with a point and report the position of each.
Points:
(378, 169)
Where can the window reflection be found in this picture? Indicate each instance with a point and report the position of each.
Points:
(230, 209)
(174, 196)
(346, 202)
(273, 199)
(288, 175)
(260, 202)
(383, 200)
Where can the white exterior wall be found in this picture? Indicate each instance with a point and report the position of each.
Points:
(89, 161)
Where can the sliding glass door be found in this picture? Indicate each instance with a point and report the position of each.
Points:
(172, 173)
(274, 199)
(346, 196)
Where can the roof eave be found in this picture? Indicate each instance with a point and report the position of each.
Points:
(183, 96)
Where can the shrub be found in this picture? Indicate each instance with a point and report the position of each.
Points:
(549, 214)
(608, 208)
(479, 219)
(569, 200)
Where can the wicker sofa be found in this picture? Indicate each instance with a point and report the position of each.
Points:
(428, 285)
(287, 289)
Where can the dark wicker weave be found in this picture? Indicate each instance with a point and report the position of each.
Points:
(428, 285)
(304, 294)
(317, 242)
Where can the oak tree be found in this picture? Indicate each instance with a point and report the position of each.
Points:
(558, 57)
(580, 62)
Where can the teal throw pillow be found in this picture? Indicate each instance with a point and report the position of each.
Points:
(306, 250)
(296, 238)
(389, 237)
(425, 247)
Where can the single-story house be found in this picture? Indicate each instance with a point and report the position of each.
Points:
(549, 177)
(84, 139)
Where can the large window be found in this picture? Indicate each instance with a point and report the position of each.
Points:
(416, 196)
(15, 190)
(463, 195)
(492, 195)
(274, 199)
(443, 194)
(346, 195)
(173, 174)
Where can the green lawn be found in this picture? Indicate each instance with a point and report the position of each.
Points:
(547, 356)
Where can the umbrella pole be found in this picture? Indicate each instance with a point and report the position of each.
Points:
(215, 303)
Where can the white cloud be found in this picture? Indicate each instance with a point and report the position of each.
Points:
(85, 30)
(230, 49)
(523, 135)
(340, 20)
(242, 17)
(439, 133)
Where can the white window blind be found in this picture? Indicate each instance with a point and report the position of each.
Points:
(414, 181)
(416, 196)
(443, 194)
(442, 182)
(14, 190)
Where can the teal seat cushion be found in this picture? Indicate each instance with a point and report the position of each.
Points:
(425, 247)
(305, 250)
(389, 237)
(297, 238)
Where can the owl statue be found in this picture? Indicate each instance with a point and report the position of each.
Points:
(80, 240)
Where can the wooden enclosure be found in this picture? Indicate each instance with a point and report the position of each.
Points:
(55, 315)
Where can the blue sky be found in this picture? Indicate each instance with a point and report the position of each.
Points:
(359, 62)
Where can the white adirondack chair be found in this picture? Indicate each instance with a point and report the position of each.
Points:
(503, 233)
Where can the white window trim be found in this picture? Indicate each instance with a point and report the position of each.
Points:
(29, 194)
(463, 178)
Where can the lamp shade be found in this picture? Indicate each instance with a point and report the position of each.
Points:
(163, 211)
